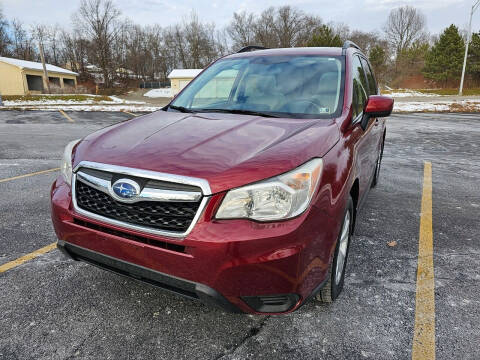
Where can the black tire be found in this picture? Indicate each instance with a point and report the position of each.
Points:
(378, 166)
(333, 288)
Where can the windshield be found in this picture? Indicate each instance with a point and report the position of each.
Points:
(284, 86)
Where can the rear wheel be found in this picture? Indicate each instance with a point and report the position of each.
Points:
(336, 270)
(378, 165)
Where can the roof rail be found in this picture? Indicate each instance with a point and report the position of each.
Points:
(251, 48)
(349, 44)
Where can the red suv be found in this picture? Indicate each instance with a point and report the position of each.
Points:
(243, 191)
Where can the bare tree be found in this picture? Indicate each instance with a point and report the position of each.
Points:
(221, 43)
(54, 44)
(340, 29)
(289, 26)
(200, 42)
(264, 28)
(285, 26)
(404, 26)
(99, 20)
(75, 50)
(22, 44)
(4, 38)
(367, 40)
(241, 31)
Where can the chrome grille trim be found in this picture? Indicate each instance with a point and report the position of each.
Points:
(150, 195)
(147, 194)
(179, 179)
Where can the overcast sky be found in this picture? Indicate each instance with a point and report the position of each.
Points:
(365, 15)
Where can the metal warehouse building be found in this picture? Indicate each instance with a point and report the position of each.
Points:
(20, 77)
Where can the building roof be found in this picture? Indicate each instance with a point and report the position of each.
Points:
(184, 73)
(31, 65)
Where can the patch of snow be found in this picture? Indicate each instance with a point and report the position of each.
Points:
(184, 73)
(409, 93)
(44, 102)
(434, 106)
(120, 101)
(156, 93)
(35, 65)
(120, 107)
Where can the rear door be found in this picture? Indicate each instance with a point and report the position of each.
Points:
(366, 143)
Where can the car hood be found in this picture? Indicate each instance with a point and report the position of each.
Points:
(227, 150)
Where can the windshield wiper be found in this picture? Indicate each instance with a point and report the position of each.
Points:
(180, 108)
(241, 112)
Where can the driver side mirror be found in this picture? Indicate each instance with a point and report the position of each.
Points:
(377, 106)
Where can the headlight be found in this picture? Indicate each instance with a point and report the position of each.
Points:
(66, 167)
(278, 198)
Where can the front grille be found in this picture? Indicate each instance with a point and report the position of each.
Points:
(168, 216)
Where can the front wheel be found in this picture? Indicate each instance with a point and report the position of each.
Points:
(336, 270)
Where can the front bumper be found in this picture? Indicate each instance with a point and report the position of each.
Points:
(167, 282)
(241, 265)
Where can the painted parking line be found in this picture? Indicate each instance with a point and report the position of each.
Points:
(424, 332)
(66, 116)
(28, 175)
(129, 113)
(28, 257)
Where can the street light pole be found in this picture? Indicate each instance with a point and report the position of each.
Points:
(469, 35)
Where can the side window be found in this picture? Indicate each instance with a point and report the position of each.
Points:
(372, 84)
(359, 87)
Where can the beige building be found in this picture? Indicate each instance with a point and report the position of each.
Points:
(20, 77)
(179, 78)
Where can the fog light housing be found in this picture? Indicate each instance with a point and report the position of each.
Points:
(272, 303)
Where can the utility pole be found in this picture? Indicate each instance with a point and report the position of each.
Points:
(469, 35)
(45, 74)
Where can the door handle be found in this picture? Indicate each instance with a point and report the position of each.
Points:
(377, 122)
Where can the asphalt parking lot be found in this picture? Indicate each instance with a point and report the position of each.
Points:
(54, 308)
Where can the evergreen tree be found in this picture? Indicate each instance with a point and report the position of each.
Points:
(444, 61)
(378, 60)
(473, 66)
(411, 60)
(325, 36)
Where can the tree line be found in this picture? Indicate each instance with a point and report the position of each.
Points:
(117, 46)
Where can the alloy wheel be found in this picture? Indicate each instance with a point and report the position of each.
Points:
(343, 248)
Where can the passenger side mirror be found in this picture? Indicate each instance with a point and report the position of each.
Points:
(379, 106)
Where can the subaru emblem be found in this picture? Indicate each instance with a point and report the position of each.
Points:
(126, 189)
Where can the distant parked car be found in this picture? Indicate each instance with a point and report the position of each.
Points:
(243, 191)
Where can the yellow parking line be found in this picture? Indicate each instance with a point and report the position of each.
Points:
(27, 175)
(424, 332)
(68, 117)
(25, 258)
(129, 113)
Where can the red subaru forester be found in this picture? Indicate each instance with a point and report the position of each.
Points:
(243, 191)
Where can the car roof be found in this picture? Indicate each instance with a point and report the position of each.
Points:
(325, 51)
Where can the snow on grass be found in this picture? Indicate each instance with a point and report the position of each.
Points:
(156, 93)
(438, 106)
(113, 103)
(65, 101)
(120, 107)
(398, 93)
